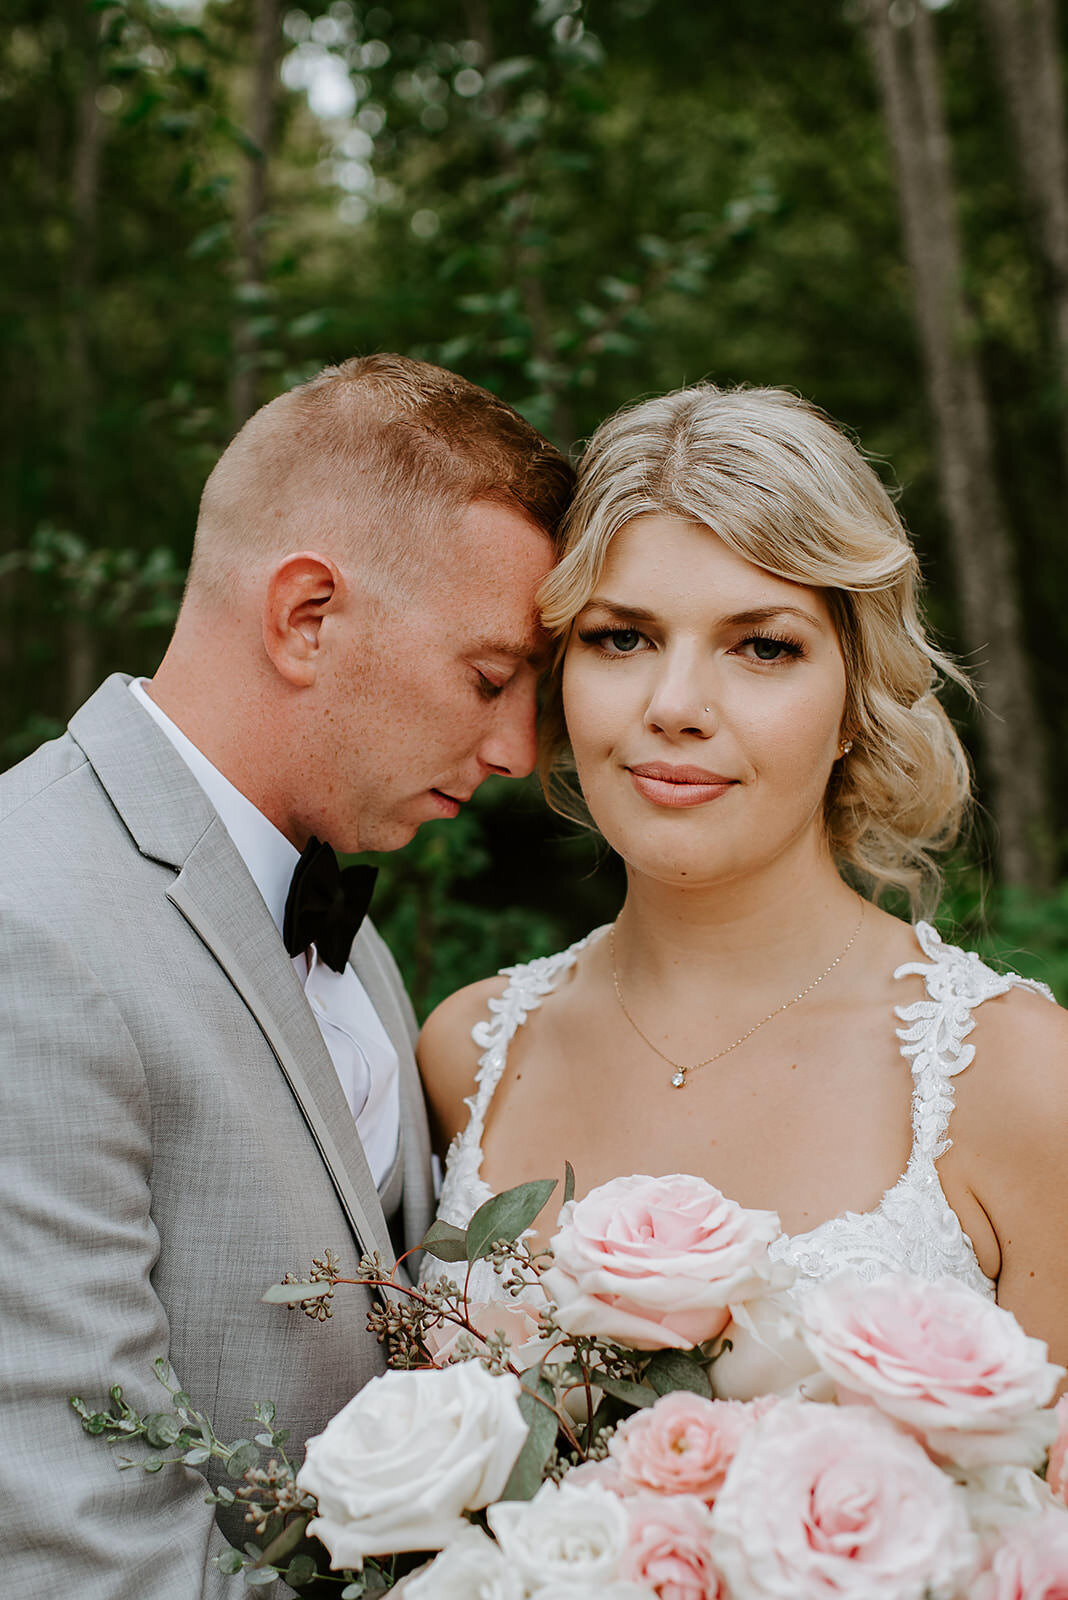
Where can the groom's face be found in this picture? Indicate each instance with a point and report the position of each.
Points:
(432, 691)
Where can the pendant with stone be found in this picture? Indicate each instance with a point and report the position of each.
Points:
(679, 1080)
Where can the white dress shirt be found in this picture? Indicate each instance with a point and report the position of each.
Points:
(363, 1056)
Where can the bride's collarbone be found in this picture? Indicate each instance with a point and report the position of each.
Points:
(806, 1132)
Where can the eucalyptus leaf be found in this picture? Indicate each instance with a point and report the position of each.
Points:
(526, 1476)
(632, 1394)
(291, 1294)
(245, 1456)
(569, 1182)
(672, 1369)
(260, 1577)
(192, 1458)
(161, 1430)
(301, 1570)
(230, 1561)
(445, 1242)
(286, 1542)
(506, 1215)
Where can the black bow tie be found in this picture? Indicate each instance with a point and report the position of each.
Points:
(326, 905)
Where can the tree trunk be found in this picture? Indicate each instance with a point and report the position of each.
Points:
(526, 256)
(261, 128)
(79, 656)
(1027, 55)
(903, 48)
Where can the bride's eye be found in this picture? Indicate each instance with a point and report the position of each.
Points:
(764, 647)
(613, 641)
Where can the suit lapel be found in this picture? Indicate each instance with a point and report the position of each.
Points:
(172, 821)
(212, 893)
(375, 969)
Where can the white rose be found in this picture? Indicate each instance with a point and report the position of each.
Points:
(397, 1468)
(471, 1568)
(768, 1353)
(623, 1590)
(568, 1534)
(1000, 1495)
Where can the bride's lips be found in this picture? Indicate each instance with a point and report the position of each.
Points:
(667, 785)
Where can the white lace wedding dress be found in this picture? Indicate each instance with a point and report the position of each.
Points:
(911, 1229)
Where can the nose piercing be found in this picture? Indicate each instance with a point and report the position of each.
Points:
(707, 709)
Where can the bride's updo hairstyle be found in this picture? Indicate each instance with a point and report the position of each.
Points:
(781, 485)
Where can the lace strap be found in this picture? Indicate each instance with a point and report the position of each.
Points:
(933, 1039)
(528, 984)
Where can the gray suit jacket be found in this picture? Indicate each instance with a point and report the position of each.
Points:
(175, 1139)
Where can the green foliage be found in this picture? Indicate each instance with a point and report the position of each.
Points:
(575, 205)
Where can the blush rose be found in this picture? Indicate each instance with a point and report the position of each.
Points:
(1030, 1562)
(841, 1504)
(654, 1263)
(940, 1358)
(1057, 1471)
(682, 1445)
(669, 1547)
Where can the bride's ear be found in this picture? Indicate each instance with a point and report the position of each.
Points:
(301, 593)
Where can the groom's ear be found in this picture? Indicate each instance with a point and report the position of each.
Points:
(301, 591)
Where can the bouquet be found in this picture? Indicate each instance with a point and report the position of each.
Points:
(580, 1435)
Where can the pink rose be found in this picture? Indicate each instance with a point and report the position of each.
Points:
(941, 1359)
(840, 1505)
(519, 1325)
(669, 1548)
(1030, 1562)
(605, 1473)
(682, 1445)
(654, 1263)
(1057, 1472)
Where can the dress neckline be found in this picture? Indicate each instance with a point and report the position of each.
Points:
(913, 1219)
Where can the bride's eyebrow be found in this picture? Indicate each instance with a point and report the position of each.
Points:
(614, 608)
(752, 617)
(758, 614)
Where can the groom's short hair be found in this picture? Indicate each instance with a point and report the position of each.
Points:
(372, 455)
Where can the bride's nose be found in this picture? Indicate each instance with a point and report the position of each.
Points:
(682, 701)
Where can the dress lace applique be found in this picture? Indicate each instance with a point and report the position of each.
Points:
(913, 1228)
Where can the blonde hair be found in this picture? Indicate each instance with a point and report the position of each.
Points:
(784, 487)
(374, 455)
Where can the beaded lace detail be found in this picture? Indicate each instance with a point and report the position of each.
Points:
(913, 1228)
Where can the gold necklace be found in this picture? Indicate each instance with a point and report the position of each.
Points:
(678, 1080)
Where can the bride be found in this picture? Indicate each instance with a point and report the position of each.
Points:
(744, 692)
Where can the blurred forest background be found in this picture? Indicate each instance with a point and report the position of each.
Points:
(575, 204)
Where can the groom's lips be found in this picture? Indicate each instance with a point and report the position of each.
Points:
(668, 785)
(448, 805)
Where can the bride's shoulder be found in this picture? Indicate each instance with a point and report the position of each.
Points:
(448, 1056)
(1016, 1095)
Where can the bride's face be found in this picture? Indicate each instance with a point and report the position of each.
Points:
(704, 701)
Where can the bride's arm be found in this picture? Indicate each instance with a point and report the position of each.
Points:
(448, 1056)
(1010, 1131)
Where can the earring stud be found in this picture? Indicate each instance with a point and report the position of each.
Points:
(845, 747)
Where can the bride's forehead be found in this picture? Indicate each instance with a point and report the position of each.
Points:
(672, 555)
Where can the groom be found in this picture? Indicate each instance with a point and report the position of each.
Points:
(192, 1105)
